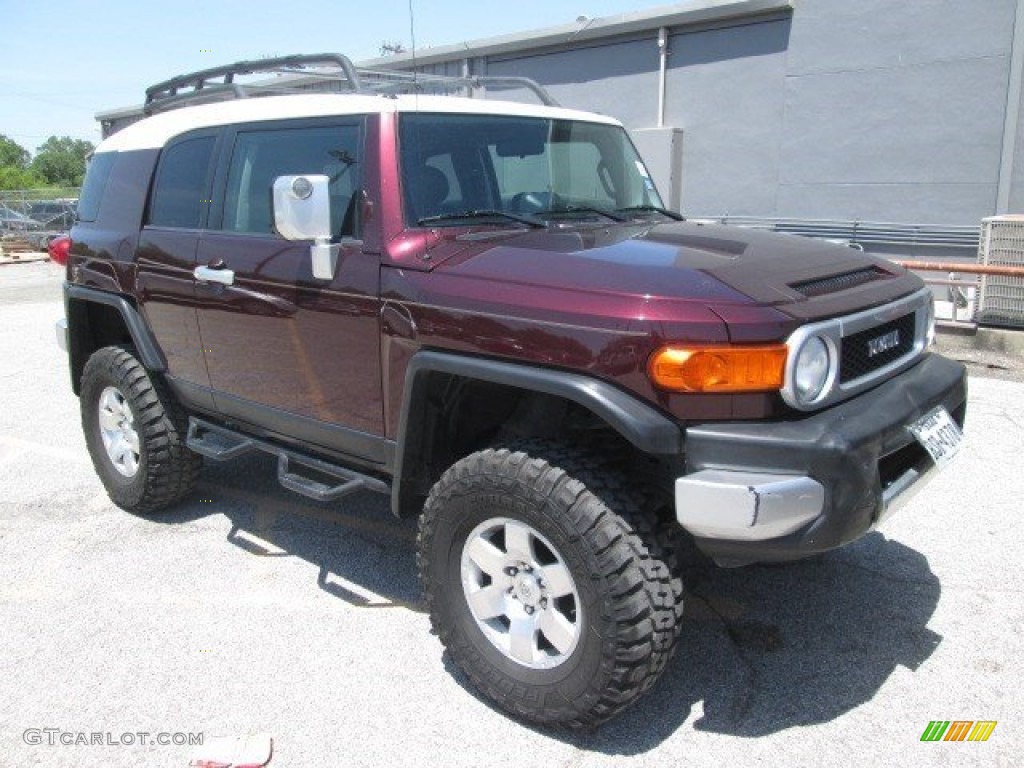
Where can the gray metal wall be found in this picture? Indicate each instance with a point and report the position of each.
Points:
(1017, 182)
(883, 110)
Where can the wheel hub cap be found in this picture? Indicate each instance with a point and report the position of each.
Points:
(527, 590)
(118, 433)
(521, 593)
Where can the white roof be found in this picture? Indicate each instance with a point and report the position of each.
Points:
(154, 132)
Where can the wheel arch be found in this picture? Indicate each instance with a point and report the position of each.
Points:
(431, 372)
(98, 319)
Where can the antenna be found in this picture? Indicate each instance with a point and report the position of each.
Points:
(412, 38)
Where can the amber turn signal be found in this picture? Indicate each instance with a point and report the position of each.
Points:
(718, 369)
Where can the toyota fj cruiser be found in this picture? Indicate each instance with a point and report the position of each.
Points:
(481, 309)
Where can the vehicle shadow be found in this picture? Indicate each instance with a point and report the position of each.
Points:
(762, 648)
(364, 554)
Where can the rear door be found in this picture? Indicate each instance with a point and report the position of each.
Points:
(176, 213)
(286, 352)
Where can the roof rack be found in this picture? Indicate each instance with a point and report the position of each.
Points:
(218, 83)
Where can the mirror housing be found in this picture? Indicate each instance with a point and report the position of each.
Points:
(302, 211)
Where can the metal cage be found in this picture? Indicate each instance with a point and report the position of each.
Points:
(1001, 299)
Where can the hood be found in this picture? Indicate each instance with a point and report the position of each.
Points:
(713, 265)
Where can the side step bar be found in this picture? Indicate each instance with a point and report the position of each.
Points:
(222, 444)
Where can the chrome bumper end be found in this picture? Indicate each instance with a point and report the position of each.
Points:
(62, 333)
(746, 506)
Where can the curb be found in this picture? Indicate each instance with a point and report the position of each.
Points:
(1004, 341)
(1001, 340)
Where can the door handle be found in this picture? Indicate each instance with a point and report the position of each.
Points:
(211, 275)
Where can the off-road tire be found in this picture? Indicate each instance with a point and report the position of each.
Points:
(627, 580)
(167, 470)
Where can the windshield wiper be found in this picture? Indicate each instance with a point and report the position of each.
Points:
(483, 213)
(651, 209)
(582, 209)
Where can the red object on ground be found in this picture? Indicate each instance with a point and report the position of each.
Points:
(249, 751)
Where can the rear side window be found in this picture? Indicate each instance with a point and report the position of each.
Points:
(96, 176)
(260, 156)
(180, 193)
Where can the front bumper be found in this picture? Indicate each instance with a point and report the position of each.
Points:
(775, 491)
(61, 329)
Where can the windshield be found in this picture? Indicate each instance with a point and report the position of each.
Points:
(527, 166)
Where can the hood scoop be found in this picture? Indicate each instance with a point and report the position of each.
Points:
(821, 286)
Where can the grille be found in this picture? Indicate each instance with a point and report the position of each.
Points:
(821, 286)
(856, 358)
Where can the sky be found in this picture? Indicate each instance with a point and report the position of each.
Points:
(62, 61)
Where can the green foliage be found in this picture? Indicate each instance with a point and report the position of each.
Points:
(12, 154)
(12, 177)
(61, 160)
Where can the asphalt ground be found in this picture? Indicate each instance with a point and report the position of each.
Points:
(250, 610)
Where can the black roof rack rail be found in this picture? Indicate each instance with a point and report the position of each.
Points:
(166, 93)
(397, 81)
(218, 83)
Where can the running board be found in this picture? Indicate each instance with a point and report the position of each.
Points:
(222, 444)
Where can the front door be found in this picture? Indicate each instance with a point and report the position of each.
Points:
(294, 355)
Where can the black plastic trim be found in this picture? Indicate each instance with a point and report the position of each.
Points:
(149, 351)
(366, 449)
(646, 428)
(840, 447)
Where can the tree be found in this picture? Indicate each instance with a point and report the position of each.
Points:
(12, 154)
(391, 48)
(61, 160)
(12, 177)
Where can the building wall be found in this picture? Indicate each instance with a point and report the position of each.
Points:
(881, 110)
(725, 89)
(1017, 183)
(894, 110)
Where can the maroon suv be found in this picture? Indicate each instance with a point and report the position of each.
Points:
(482, 309)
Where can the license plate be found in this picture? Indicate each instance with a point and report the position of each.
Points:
(939, 435)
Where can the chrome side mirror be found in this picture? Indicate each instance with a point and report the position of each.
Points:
(302, 211)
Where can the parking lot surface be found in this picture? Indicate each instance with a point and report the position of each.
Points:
(251, 610)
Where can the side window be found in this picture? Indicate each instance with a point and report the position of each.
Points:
(180, 190)
(259, 156)
(96, 176)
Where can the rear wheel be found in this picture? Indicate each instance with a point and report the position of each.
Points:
(545, 583)
(135, 431)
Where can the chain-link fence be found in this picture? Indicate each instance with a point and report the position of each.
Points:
(30, 218)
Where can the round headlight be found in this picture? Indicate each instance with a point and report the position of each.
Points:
(811, 370)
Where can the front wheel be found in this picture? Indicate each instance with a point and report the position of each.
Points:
(545, 584)
(135, 431)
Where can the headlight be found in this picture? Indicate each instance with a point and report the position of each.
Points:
(810, 373)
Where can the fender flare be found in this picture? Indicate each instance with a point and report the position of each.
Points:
(642, 425)
(76, 296)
